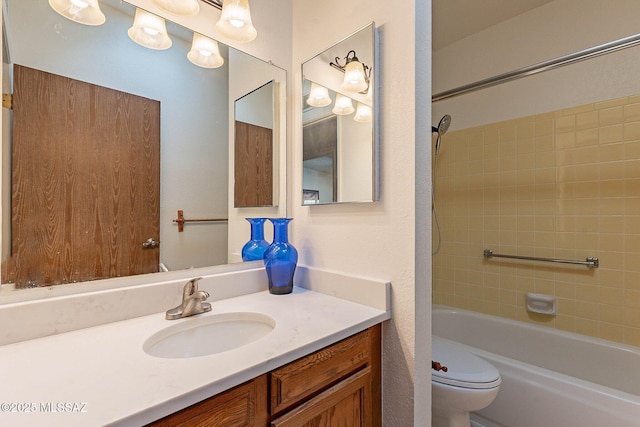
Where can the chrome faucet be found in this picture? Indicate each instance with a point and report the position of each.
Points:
(192, 301)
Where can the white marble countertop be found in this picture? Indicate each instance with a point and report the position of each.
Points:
(101, 375)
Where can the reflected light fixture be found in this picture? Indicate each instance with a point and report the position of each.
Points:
(343, 105)
(363, 113)
(356, 74)
(149, 30)
(205, 52)
(85, 12)
(235, 21)
(179, 7)
(318, 96)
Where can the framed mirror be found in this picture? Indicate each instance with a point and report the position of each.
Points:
(195, 133)
(255, 182)
(340, 139)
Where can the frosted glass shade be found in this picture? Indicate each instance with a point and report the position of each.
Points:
(363, 113)
(205, 52)
(343, 105)
(149, 31)
(354, 79)
(179, 7)
(85, 12)
(235, 21)
(318, 96)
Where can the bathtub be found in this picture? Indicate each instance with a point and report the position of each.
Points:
(549, 377)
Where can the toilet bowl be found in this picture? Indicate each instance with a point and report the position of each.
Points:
(469, 384)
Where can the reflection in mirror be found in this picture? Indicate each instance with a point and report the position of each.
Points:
(339, 136)
(194, 139)
(254, 178)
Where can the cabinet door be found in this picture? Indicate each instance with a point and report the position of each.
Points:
(244, 405)
(347, 404)
(309, 375)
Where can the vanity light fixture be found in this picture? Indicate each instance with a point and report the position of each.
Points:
(149, 30)
(343, 105)
(235, 21)
(205, 52)
(363, 113)
(85, 12)
(318, 96)
(356, 74)
(179, 7)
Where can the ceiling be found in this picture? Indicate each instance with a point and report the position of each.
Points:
(454, 20)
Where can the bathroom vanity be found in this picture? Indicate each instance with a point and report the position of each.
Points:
(321, 358)
(339, 385)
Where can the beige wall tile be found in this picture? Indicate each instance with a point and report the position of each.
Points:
(564, 184)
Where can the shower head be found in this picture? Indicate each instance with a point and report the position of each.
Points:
(442, 128)
(444, 124)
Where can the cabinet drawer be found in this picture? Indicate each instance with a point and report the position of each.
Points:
(310, 375)
(244, 405)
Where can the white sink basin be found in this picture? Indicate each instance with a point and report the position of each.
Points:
(204, 335)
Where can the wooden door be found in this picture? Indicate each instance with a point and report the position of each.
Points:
(253, 162)
(85, 181)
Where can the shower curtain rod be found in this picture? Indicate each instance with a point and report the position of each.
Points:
(551, 64)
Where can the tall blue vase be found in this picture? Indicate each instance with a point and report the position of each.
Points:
(255, 247)
(280, 258)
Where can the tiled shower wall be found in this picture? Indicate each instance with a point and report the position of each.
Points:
(564, 184)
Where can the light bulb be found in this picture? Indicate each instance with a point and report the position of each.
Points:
(80, 4)
(151, 31)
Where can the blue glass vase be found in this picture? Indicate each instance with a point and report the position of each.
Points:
(280, 258)
(254, 248)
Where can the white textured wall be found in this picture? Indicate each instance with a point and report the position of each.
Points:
(558, 28)
(375, 239)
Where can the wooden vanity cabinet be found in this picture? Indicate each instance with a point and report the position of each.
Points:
(339, 385)
(243, 405)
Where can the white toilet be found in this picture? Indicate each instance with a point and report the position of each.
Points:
(469, 384)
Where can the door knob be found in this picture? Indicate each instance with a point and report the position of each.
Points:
(150, 243)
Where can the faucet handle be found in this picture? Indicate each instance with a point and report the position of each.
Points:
(191, 286)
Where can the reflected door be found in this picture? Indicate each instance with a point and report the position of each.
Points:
(85, 181)
(253, 173)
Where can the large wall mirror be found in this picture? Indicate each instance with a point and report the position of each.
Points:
(192, 108)
(340, 159)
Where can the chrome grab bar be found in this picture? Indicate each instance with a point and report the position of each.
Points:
(590, 262)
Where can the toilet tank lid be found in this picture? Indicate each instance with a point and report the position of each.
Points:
(464, 369)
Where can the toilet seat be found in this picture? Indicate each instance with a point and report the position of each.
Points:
(464, 369)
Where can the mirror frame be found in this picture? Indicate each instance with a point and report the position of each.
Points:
(375, 130)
